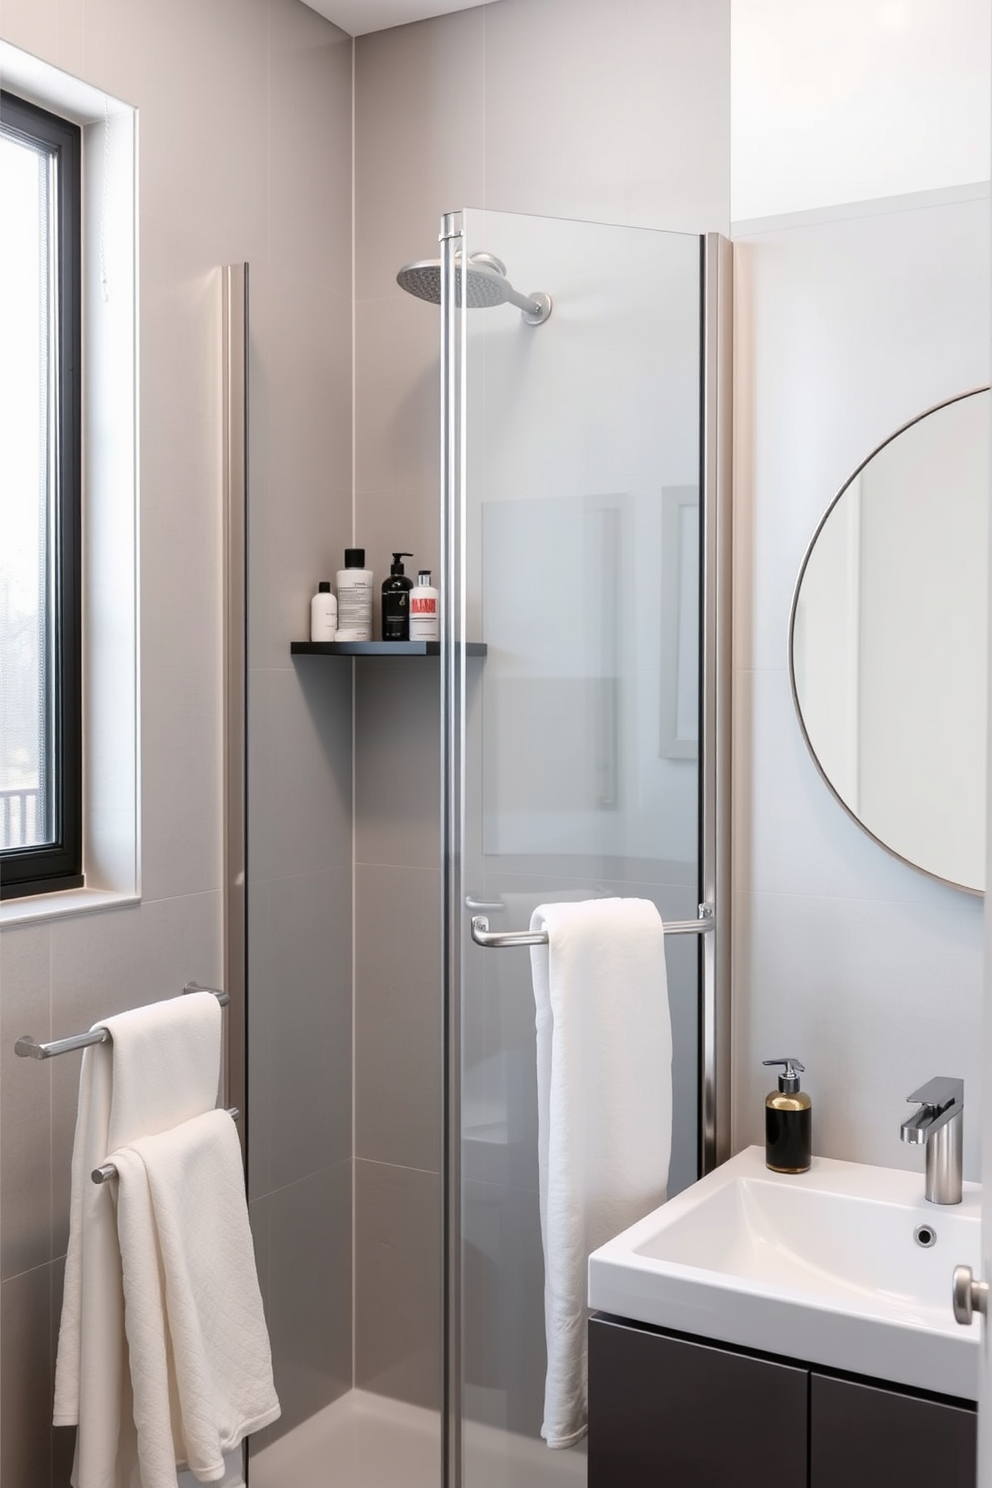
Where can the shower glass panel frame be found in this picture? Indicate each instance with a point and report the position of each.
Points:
(556, 821)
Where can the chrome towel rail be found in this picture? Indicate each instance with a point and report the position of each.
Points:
(497, 940)
(106, 1171)
(29, 1048)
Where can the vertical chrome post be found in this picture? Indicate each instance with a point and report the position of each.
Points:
(235, 414)
(452, 780)
(715, 509)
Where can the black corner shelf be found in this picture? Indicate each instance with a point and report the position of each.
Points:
(379, 648)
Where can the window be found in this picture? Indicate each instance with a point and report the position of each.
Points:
(40, 476)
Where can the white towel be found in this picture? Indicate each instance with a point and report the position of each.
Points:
(160, 1067)
(604, 1089)
(201, 1368)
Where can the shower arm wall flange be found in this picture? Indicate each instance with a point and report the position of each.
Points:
(534, 308)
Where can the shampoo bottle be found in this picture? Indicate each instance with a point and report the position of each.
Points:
(354, 597)
(424, 619)
(788, 1122)
(323, 614)
(396, 601)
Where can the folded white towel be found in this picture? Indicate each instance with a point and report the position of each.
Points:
(201, 1369)
(160, 1067)
(604, 1089)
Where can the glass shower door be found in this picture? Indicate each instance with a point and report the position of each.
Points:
(572, 457)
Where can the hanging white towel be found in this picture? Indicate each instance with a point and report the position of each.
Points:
(160, 1067)
(604, 1089)
(201, 1368)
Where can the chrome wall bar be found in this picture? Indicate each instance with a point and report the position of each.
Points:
(716, 675)
(106, 1171)
(497, 940)
(29, 1048)
(452, 776)
(234, 297)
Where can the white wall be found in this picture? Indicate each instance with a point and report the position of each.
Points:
(865, 970)
(850, 320)
(845, 100)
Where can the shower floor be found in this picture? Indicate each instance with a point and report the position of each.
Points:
(369, 1441)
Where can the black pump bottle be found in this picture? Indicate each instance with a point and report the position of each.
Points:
(396, 601)
(788, 1122)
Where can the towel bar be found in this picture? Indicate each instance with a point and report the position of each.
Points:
(107, 1171)
(497, 940)
(29, 1048)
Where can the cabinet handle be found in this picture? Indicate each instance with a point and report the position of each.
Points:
(969, 1296)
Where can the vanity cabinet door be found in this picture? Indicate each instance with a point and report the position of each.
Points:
(670, 1411)
(862, 1436)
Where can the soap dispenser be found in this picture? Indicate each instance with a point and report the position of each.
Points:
(396, 601)
(788, 1122)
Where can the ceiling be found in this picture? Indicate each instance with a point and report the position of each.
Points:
(359, 16)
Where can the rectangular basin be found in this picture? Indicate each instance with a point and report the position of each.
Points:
(825, 1267)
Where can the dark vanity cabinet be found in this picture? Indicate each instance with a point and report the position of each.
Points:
(690, 1413)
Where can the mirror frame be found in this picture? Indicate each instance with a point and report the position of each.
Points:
(918, 867)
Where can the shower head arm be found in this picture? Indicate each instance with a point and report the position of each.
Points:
(535, 308)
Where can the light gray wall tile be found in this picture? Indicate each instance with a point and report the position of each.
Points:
(398, 762)
(300, 526)
(26, 1379)
(309, 1301)
(209, 156)
(309, 217)
(299, 764)
(25, 1103)
(398, 1016)
(418, 141)
(300, 1039)
(398, 404)
(397, 1283)
(503, 1282)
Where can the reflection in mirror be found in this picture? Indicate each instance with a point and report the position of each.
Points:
(888, 641)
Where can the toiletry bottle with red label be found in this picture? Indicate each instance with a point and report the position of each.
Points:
(424, 618)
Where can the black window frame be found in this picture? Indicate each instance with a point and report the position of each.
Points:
(45, 869)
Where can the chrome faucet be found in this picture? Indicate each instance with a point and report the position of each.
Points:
(940, 1124)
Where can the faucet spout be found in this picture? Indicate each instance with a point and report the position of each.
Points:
(940, 1124)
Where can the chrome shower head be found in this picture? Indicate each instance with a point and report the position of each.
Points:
(487, 285)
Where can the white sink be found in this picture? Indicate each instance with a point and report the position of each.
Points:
(820, 1266)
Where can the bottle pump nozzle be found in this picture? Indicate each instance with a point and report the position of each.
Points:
(788, 1080)
(396, 567)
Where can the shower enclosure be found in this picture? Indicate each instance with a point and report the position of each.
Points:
(585, 753)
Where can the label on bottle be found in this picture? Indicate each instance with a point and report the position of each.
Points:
(355, 611)
(423, 616)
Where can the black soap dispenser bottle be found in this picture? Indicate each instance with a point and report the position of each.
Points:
(396, 601)
(788, 1122)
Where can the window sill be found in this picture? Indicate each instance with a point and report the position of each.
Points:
(34, 908)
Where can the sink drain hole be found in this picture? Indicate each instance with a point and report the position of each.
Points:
(926, 1236)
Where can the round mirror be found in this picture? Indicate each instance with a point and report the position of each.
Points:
(888, 639)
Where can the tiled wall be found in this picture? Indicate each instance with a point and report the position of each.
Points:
(245, 143)
(570, 108)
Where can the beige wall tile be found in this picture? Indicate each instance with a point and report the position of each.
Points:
(26, 1379)
(398, 1016)
(418, 141)
(397, 1283)
(25, 1103)
(398, 762)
